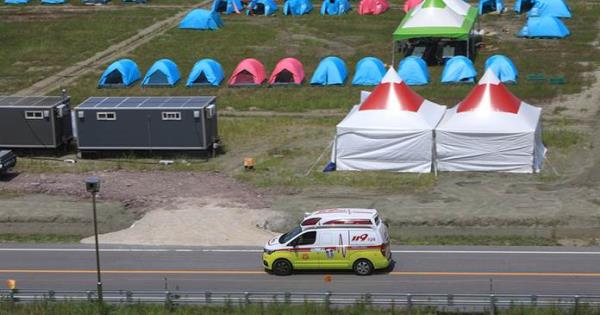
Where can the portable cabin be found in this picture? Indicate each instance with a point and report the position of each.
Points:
(35, 122)
(146, 124)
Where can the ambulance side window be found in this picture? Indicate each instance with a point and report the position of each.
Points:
(307, 238)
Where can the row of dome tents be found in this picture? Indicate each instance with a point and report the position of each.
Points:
(249, 72)
(395, 129)
(298, 7)
(330, 71)
(543, 18)
(459, 69)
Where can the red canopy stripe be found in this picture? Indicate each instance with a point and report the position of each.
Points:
(393, 96)
(493, 97)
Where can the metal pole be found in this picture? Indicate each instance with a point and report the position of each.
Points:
(99, 284)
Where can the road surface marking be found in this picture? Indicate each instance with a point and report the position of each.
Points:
(258, 272)
(217, 250)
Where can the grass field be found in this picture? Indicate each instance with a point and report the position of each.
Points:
(45, 308)
(37, 43)
(311, 37)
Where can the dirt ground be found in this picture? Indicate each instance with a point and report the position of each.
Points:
(149, 208)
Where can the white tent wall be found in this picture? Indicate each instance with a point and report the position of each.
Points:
(384, 150)
(485, 152)
(490, 141)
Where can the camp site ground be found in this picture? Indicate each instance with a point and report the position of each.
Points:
(288, 130)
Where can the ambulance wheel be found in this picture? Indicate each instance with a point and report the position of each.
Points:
(363, 267)
(282, 267)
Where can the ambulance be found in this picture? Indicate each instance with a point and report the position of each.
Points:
(351, 239)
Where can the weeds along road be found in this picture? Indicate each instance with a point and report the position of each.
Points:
(475, 270)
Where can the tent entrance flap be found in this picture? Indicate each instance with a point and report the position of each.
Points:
(244, 78)
(158, 78)
(114, 78)
(284, 77)
(201, 80)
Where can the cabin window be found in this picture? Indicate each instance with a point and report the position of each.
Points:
(34, 114)
(106, 116)
(171, 116)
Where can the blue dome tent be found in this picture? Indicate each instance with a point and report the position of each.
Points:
(200, 19)
(503, 68)
(369, 71)
(206, 72)
(297, 7)
(486, 6)
(459, 69)
(164, 72)
(413, 71)
(227, 6)
(544, 27)
(330, 71)
(335, 7)
(556, 8)
(121, 73)
(16, 1)
(523, 5)
(53, 1)
(261, 7)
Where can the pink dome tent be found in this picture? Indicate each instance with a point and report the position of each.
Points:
(287, 71)
(409, 4)
(373, 7)
(490, 130)
(249, 72)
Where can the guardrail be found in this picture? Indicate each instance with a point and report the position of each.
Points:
(407, 300)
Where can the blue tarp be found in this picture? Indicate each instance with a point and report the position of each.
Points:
(297, 7)
(459, 69)
(330, 71)
(121, 73)
(53, 1)
(16, 1)
(413, 71)
(206, 72)
(227, 6)
(164, 72)
(261, 7)
(369, 71)
(544, 27)
(503, 68)
(486, 6)
(557, 8)
(335, 7)
(200, 19)
(523, 5)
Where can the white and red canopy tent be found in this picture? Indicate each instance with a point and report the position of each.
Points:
(490, 130)
(391, 130)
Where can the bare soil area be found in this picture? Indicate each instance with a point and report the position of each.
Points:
(170, 208)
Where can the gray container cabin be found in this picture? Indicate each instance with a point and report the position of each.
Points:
(146, 124)
(35, 122)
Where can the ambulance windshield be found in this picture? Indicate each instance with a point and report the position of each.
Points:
(290, 235)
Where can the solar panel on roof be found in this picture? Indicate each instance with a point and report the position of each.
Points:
(147, 102)
(33, 101)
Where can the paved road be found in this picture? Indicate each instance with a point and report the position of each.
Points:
(506, 270)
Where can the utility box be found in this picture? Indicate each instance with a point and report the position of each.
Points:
(35, 122)
(146, 124)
